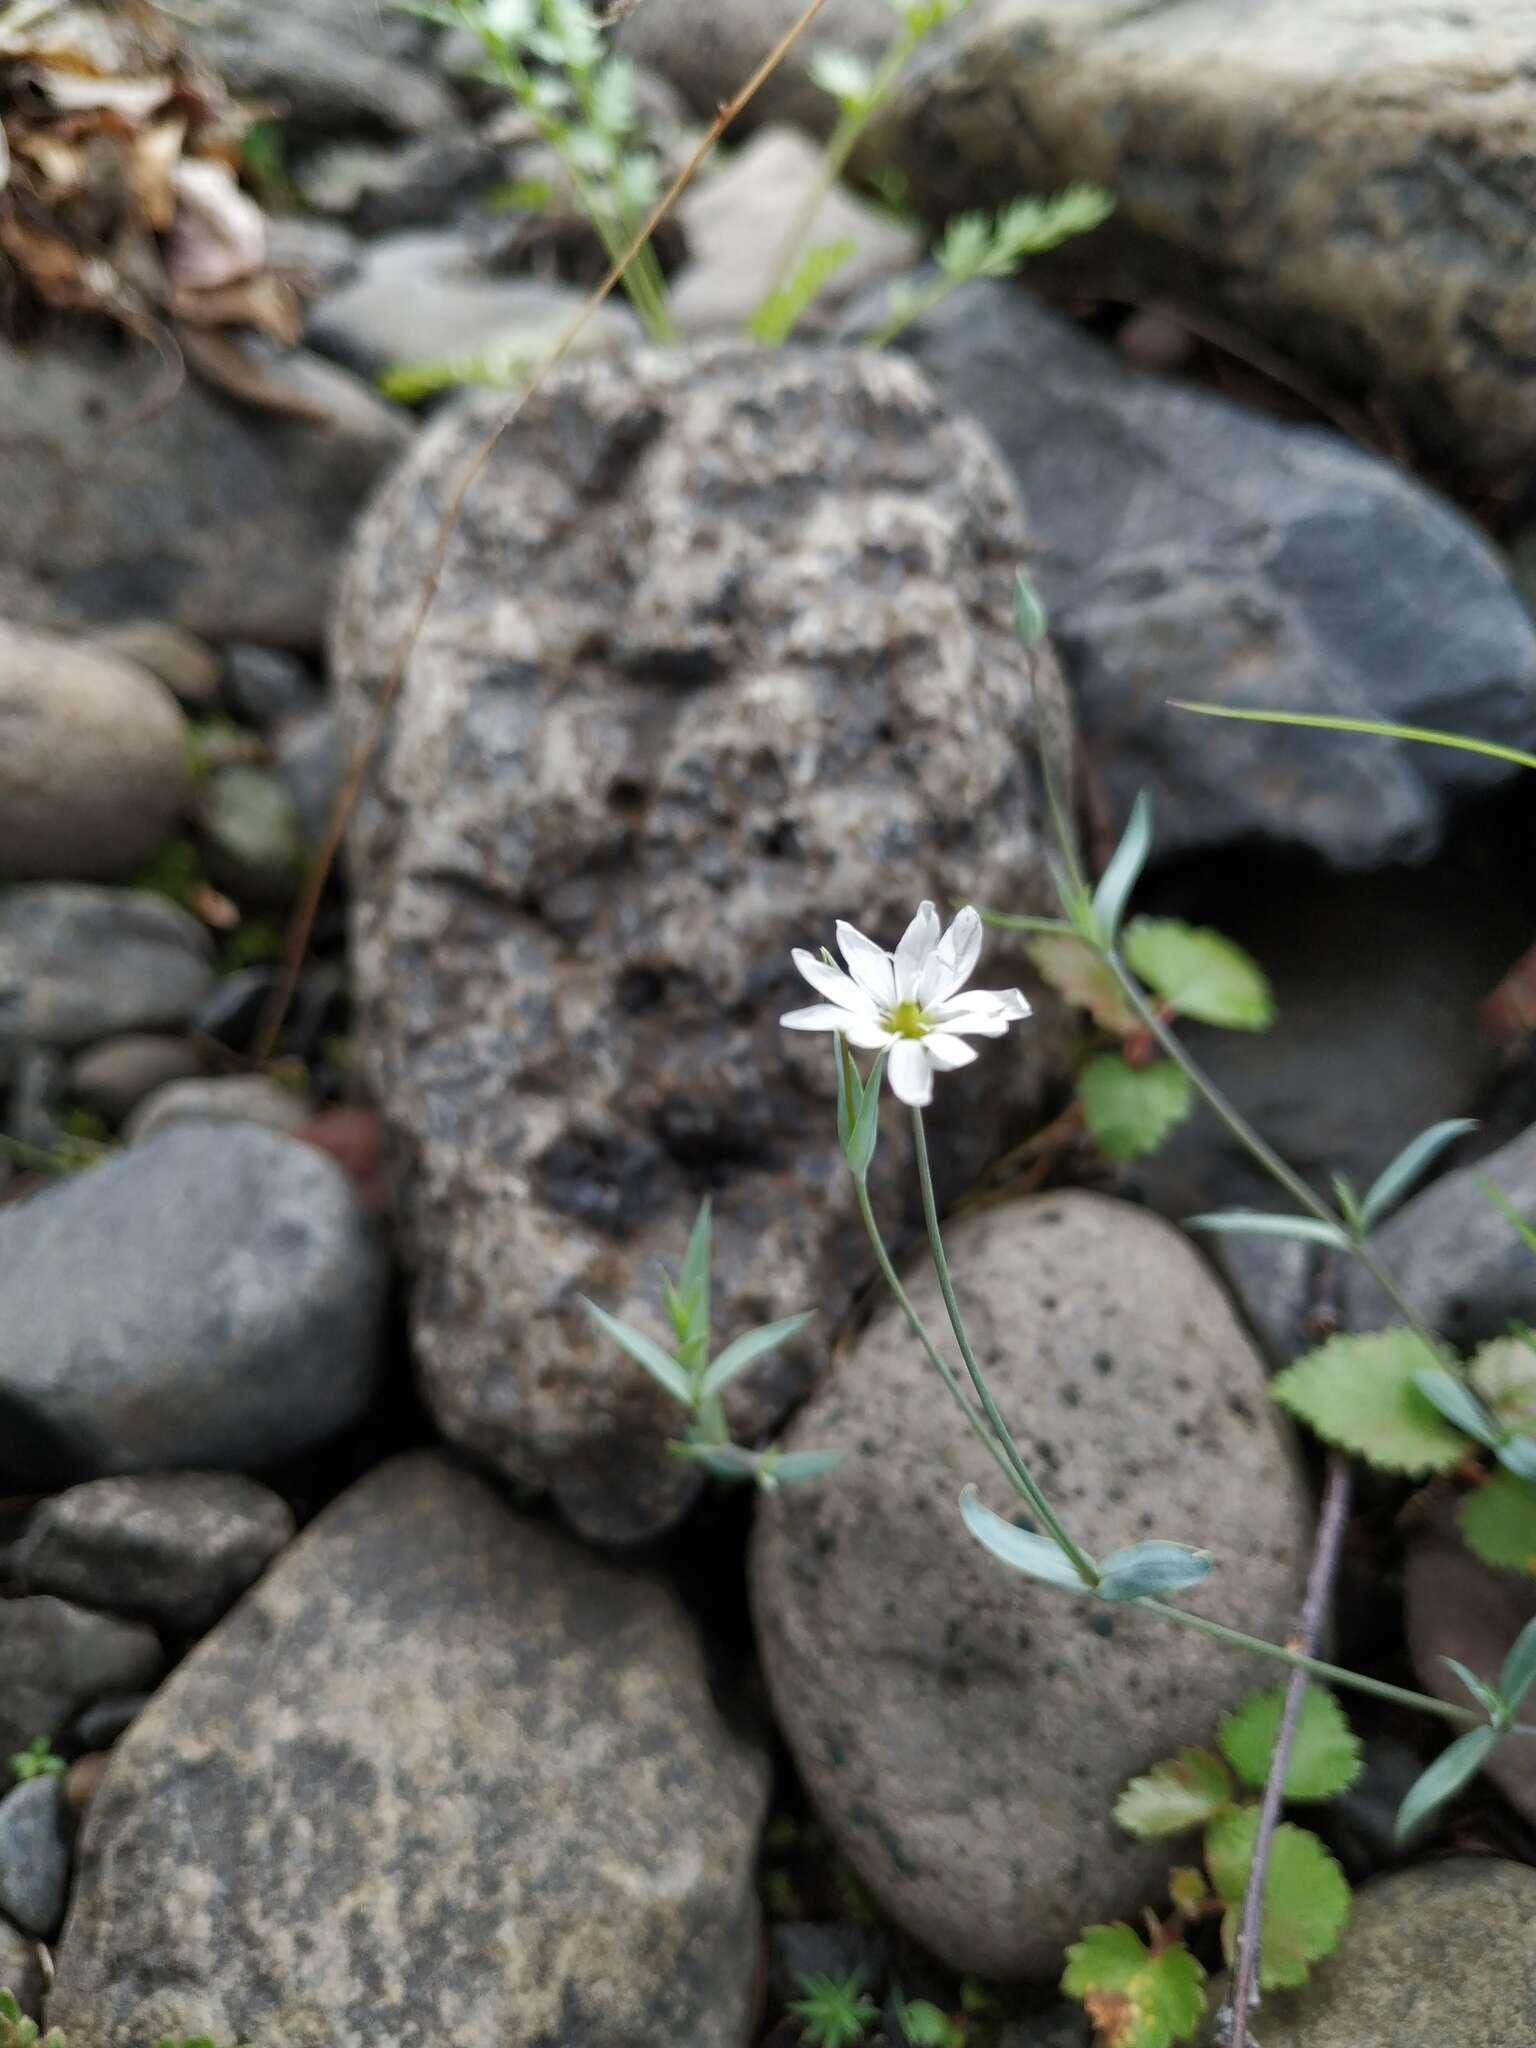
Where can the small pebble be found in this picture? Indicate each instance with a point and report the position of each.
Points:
(265, 685)
(220, 1098)
(187, 666)
(113, 1077)
(34, 1856)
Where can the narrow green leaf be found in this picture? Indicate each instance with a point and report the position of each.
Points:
(1325, 1755)
(1124, 870)
(1153, 1567)
(1359, 1394)
(1457, 1403)
(644, 1351)
(1007, 921)
(782, 310)
(1200, 973)
(1183, 1793)
(1498, 1522)
(1479, 1688)
(1519, 1672)
(1030, 622)
(779, 1467)
(1037, 1556)
(1453, 1768)
(850, 1090)
(1525, 1230)
(1376, 727)
(1130, 1110)
(721, 1461)
(739, 1354)
(693, 1283)
(860, 1148)
(1262, 1223)
(1517, 1454)
(1415, 1160)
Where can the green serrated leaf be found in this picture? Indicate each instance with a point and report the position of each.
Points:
(1325, 1755)
(1498, 1522)
(1200, 973)
(1130, 1110)
(781, 311)
(1075, 971)
(1185, 1792)
(1359, 1394)
(1503, 1372)
(1135, 1999)
(1306, 1894)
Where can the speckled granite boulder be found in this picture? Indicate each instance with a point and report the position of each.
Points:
(721, 650)
(964, 1731)
(442, 1776)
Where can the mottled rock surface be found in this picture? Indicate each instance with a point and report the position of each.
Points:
(710, 48)
(93, 762)
(1191, 548)
(58, 1658)
(442, 1776)
(20, 1970)
(173, 1548)
(213, 1296)
(721, 650)
(34, 1856)
(328, 65)
(963, 1731)
(226, 519)
(1274, 178)
(79, 962)
(1441, 1956)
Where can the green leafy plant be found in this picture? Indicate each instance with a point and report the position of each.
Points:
(37, 1760)
(924, 2024)
(1152, 1992)
(696, 1381)
(552, 58)
(834, 2012)
(16, 2031)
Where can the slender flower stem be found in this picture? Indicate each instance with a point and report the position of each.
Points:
(1023, 1479)
(1262, 1150)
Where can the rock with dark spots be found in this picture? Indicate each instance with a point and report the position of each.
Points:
(443, 1775)
(57, 1658)
(708, 49)
(112, 1077)
(1193, 549)
(964, 1731)
(34, 1856)
(1457, 1258)
(213, 1297)
(1272, 180)
(173, 1548)
(227, 520)
(21, 1970)
(721, 650)
(220, 1098)
(328, 67)
(1440, 1956)
(79, 962)
(93, 760)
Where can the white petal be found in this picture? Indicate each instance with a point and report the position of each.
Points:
(948, 1052)
(1013, 1002)
(914, 951)
(867, 1033)
(954, 960)
(911, 1075)
(869, 964)
(975, 1019)
(832, 983)
(819, 1017)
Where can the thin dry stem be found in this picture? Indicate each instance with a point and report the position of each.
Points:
(308, 905)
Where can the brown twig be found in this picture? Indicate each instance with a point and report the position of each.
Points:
(1232, 2027)
(308, 905)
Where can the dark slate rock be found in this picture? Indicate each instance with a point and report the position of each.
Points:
(173, 1548)
(213, 1297)
(443, 1775)
(265, 684)
(34, 1856)
(79, 961)
(57, 1658)
(1190, 548)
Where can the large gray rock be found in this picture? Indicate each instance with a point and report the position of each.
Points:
(34, 1856)
(426, 297)
(227, 519)
(1193, 549)
(709, 49)
(79, 962)
(212, 1297)
(1456, 1257)
(1274, 177)
(721, 649)
(1440, 1956)
(327, 64)
(173, 1548)
(57, 1658)
(964, 1731)
(442, 1776)
(93, 760)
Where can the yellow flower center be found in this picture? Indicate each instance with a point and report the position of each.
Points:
(906, 1020)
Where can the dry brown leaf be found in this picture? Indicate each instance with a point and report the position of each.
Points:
(221, 359)
(73, 92)
(266, 301)
(154, 153)
(219, 233)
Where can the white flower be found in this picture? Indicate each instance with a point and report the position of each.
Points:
(909, 1002)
